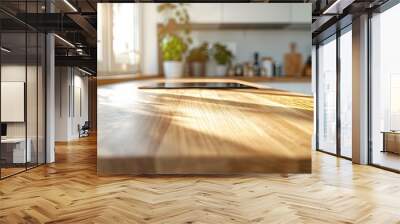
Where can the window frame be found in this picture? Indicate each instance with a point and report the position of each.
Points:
(333, 37)
(378, 10)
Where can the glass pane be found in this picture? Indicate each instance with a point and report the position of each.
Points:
(32, 89)
(386, 89)
(32, 98)
(13, 86)
(22, 90)
(327, 96)
(346, 94)
(41, 98)
(123, 41)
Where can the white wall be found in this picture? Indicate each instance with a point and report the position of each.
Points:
(268, 43)
(149, 37)
(16, 73)
(272, 43)
(80, 83)
(61, 103)
(69, 81)
(34, 124)
(297, 87)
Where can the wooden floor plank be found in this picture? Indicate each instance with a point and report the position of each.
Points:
(69, 191)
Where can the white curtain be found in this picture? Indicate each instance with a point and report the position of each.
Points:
(118, 34)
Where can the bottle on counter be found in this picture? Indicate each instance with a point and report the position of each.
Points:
(238, 70)
(256, 65)
(251, 72)
(263, 72)
(231, 71)
(267, 67)
(247, 69)
(278, 70)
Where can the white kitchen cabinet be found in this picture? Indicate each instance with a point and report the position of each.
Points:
(301, 13)
(256, 13)
(205, 13)
(249, 13)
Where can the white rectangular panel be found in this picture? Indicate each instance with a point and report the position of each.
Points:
(12, 101)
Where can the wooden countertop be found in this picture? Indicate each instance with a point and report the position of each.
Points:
(202, 131)
(240, 78)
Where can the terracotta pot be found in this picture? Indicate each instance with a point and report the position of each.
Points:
(197, 69)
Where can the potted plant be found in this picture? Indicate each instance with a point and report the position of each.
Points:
(173, 48)
(174, 36)
(223, 56)
(197, 59)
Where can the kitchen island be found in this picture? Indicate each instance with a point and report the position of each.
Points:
(202, 131)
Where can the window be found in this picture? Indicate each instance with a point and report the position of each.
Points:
(327, 96)
(385, 89)
(346, 93)
(121, 47)
(22, 76)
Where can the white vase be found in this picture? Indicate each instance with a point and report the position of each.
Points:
(173, 69)
(221, 70)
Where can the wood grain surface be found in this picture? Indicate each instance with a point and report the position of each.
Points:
(69, 191)
(202, 131)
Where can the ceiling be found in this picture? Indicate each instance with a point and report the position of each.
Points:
(332, 15)
(74, 22)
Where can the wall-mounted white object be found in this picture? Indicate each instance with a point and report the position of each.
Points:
(394, 102)
(12, 101)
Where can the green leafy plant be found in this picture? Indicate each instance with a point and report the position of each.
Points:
(222, 54)
(173, 48)
(174, 32)
(199, 54)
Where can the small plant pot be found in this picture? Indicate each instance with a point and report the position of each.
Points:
(221, 70)
(197, 69)
(173, 69)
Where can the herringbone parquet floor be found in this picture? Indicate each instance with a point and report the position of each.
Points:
(69, 191)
